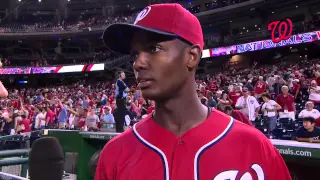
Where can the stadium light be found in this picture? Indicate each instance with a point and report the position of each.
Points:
(39, 0)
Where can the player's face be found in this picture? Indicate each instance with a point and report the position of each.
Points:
(159, 65)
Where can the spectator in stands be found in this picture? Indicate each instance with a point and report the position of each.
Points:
(309, 111)
(40, 120)
(224, 101)
(308, 133)
(248, 105)
(3, 90)
(24, 125)
(107, 119)
(62, 116)
(296, 89)
(8, 125)
(269, 108)
(50, 117)
(235, 94)
(314, 92)
(211, 102)
(236, 114)
(286, 101)
(260, 87)
(202, 98)
(92, 120)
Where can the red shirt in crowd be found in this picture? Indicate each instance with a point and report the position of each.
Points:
(26, 124)
(50, 114)
(286, 102)
(295, 88)
(213, 86)
(150, 109)
(234, 96)
(260, 87)
(201, 153)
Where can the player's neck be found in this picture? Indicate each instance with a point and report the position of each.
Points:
(181, 113)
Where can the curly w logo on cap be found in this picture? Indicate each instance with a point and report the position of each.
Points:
(142, 14)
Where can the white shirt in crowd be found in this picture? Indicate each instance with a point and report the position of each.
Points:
(92, 121)
(313, 95)
(40, 119)
(271, 104)
(313, 113)
(249, 106)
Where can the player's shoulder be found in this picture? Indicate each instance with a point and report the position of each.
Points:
(238, 129)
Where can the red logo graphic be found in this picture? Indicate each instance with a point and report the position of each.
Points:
(284, 29)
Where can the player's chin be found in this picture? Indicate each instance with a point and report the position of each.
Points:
(151, 94)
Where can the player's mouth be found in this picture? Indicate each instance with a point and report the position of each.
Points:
(144, 83)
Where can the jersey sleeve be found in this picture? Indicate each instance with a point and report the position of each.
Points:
(276, 167)
(106, 168)
(279, 168)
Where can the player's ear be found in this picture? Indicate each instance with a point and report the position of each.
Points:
(194, 56)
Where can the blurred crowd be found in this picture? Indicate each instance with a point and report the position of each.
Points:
(286, 90)
(90, 22)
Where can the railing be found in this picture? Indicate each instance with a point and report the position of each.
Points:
(15, 157)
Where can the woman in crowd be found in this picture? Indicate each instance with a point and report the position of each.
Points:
(270, 108)
(224, 101)
(314, 92)
(309, 111)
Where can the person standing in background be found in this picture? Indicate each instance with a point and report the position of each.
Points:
(3, 90)
(121, 95)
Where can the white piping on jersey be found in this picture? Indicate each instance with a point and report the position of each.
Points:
(166, 166)
(196, 158)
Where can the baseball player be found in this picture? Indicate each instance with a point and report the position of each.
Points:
(182, 139)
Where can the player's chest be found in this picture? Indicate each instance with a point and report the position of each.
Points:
(188, 164)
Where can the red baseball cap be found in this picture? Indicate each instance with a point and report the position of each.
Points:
(170, 20)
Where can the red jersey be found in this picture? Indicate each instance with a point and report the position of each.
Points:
(26, 124)
(287, 103)
(50, 114)
(295, 88)
(234, 96)
(204, 152)
(260, 87)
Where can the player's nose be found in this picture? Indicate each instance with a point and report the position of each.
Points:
(140, 61)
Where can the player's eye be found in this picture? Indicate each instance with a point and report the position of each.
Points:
(154, 48)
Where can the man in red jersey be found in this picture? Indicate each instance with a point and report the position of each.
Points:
(260, 87)
(182, 139)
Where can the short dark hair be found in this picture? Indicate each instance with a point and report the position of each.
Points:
(310, 119)
(119, 73)
(228, 108)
